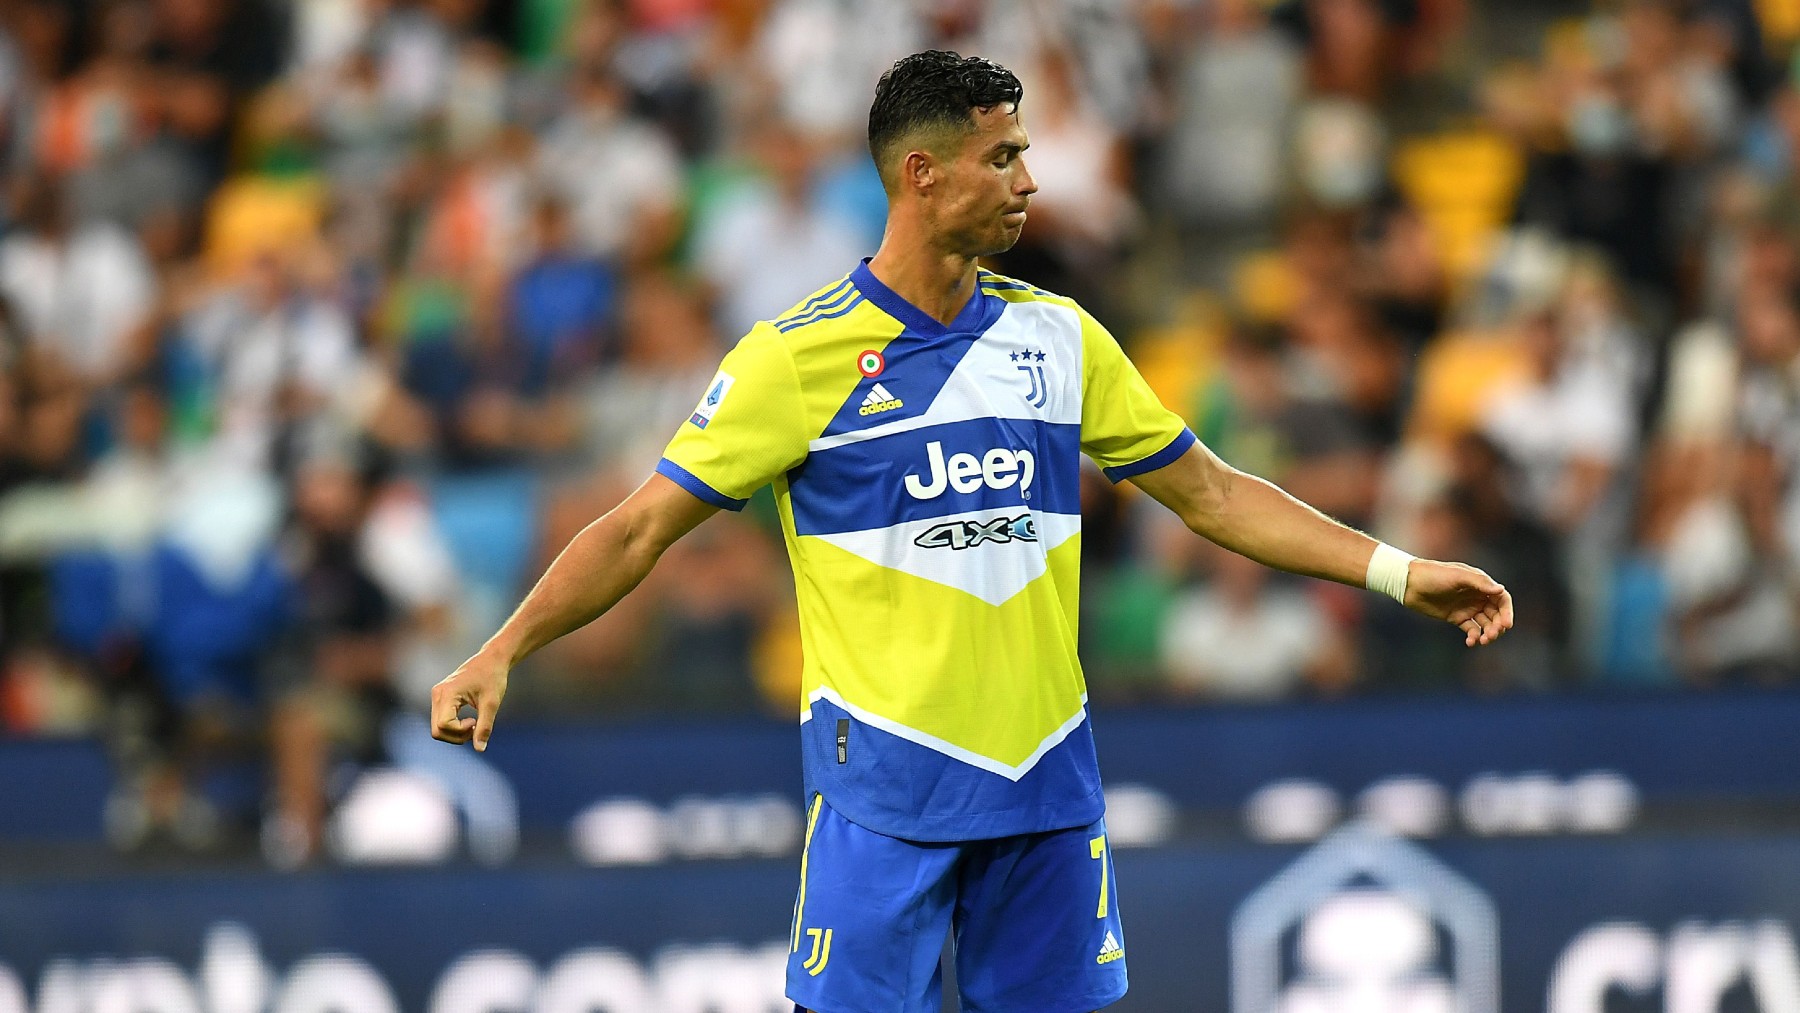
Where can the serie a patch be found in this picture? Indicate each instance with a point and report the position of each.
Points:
(715, 396)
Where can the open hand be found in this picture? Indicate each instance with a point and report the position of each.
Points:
(1462, 596)
(480, 683)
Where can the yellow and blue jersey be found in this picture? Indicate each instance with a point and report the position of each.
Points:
(928, 481)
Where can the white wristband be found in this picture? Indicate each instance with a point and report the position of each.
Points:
(1387, 572)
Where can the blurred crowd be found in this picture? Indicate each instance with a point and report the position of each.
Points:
(324, 324)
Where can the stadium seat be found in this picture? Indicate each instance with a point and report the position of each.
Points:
(490, 522)
(1464, 184)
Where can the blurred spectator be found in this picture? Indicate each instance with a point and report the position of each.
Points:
(1262, 414)
(414, 47)
(1353, 44)
(1339, 153)
(1567, 426)
(1637, 106)
(1732, 557)
(205, 607)
(718, 593)
(772, 236)
(208, 55)
(1405, 278)
(1244, 637)
(1235, 94)
(619, 175)
(1521, 551)
(103, 127)
(669, 350)
(22, 64)
(823, 57)
(81, 291)
(337, 659)
(279, 355)
(562, 304)
(364, 136)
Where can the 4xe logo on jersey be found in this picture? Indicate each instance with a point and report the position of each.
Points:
(998, 468)
(970, 533)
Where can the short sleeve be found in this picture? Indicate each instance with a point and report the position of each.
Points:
(1124, 427)
(747, 429)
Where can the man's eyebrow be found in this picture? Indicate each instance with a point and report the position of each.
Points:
(1008, 147)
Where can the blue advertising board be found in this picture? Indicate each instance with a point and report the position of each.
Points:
(1677, 749)
(660, 866)
(1695, 923)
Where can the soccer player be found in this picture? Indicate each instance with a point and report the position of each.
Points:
(922, 422)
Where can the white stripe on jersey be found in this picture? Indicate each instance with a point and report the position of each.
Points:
(992, 572)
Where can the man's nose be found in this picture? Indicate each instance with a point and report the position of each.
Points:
(1026, 185)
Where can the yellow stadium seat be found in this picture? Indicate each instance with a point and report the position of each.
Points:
(251, 216)
(1463, 184)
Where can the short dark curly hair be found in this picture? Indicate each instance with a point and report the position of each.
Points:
(933, 90)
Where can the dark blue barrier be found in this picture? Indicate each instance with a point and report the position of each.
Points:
(1724, 747)
(1676, 747)
(1588, 918)
(52, 789)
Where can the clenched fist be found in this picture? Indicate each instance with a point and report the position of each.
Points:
(480, 683)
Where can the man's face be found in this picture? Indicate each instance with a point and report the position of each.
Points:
(978, 206)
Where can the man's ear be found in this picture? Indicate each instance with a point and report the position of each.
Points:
(921, 171)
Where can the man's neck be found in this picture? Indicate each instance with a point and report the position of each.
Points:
(940, 284)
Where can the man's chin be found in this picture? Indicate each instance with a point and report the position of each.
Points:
(1008, 238)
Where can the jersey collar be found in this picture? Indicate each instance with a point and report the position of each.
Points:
(976, 316)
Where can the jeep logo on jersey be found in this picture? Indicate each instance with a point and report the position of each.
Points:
(999, 468)
(970, 533)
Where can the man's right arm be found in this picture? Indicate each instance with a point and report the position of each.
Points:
(597, 568)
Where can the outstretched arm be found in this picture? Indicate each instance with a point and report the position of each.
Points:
(597, 568)
(1253, 517)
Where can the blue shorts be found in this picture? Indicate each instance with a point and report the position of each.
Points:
(1035, 921)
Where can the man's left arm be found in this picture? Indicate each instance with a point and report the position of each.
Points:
(1255, 518)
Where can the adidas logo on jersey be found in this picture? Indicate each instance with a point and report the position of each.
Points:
(1110, 950)
(878, 401)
